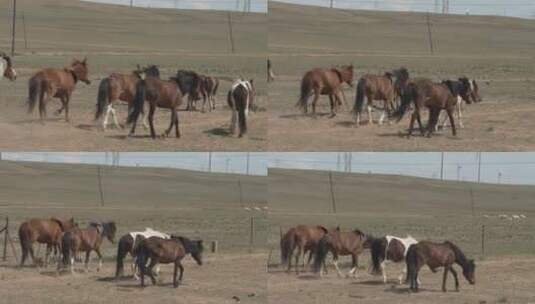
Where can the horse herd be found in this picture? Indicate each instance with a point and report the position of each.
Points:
(396, 89)
(142, 86)
(318, 241)
(67, 241)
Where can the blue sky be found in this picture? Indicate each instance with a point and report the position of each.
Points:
(256, 5)
(504, 168)
(514, 8)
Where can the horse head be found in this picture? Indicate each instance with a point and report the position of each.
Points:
(194, 247)
(475, 91)
(80, 70)
(109, 230)
(465, 90)
(469, 272)
(152, 70)
(9, 72)
(347, 74)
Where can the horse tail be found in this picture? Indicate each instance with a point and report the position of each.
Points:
(406, 98)
(141, 257)
(321, 253)
(376, 250)
(139, 100)
(216, 86)
(25, 242)
(287, 244)
(122, 250)
(35, 91)
(411, 260)
(102, 96)
(359, 99)
(306, 87)
(242, 114)
(67, 243)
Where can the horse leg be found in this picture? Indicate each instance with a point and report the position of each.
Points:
(444, 278)
(452, 122)
(153, 263)
(315, 101)
(175, 283)
(47, 254)
(383, 271)
(171, 123)
(419, 120)
(383, 114)
(151, 120)
(65, 101)
(335, 263)
(97, 250)
(454, 273)
(332, 104)
(177, 129)
(459, 111)
(369, 102)
(234, 122)
(354, 262)
(114, 115)
(105, 121)
(297, 260)
(411, 125)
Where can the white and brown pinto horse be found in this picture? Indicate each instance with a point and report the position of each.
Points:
(463, 89)
(126, 245)
(389, 249)
(240, 99)
(6, 67)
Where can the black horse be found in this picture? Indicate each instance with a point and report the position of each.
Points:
(190, 83)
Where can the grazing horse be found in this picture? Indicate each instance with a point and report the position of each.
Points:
(6, 67)
(437, 255)
(424, 93)
(322, 81)
(159, 93)
(462, 89)
(270, 74)
(166, 251)
(57, 83)
(117, 87)
(303, 238)
(240, 99)
(43, 231)
(389, 248)
(374, 87)
(86, 240)
(340, 243)
(190, 83)
(209, 86)
(126, 245)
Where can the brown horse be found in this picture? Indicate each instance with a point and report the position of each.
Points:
(304, 239)
(57, 83)
(158, 93)
(425, 93)
(117, 87)
(436, 255)
(6, 67)
(322, 81)
(209, 86)
(270, 74)
(43, 231)
(374, 87)
(240, 99)
(166, 251)
(340, 243)
(86, 240)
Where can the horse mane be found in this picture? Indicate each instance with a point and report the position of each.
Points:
(460, 258)
(323, 228)
(358, 231)
(338, 73)
(402, 72)
(189, 245)
(60, 223)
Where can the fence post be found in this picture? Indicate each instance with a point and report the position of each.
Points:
(483, 241)
(333, 199)
(251, 235)
(4, 257)
(214, 246)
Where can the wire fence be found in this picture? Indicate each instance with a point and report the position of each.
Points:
(227, 5)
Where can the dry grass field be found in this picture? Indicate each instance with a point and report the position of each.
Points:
(497, 51)
(198, 205)
(399, 205)
(116, 39)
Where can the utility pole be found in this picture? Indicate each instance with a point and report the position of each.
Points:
(131, 3)
(332, 4)
(230, 35)
(13, 28)
(430, 34)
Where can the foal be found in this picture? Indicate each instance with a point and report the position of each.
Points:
(303, 239)
(172, 250)
(86, 240)
(437, 255)
(240, 99)
(374, 87)
(158, 93)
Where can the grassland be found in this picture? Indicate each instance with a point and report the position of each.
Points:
(198, 205)
(497, 51)
(400, 205)
(115, 39)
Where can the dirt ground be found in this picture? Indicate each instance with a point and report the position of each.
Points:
(464, 46)
(503, 280)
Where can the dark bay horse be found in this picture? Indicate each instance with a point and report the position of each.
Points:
(321, 81)
(126, 245)
(425, 93)
(166, 251)
(240, 99)
(57, 83)
(190, 84)
(340, 243)
(436, 255)
(389, 248)
(374, 87)
(270, 74)
(117, 87)
(6, 67)
(86, 240)
(209, 86)
(158, 93)
(465, 90)
(302, 238)
(43, 231)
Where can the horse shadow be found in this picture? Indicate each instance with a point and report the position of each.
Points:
(37, 121)
(225, 132)
(303, 115)
(126, 137)
(346, 124)
(308, 277)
